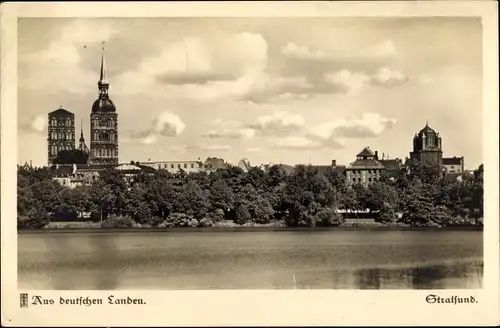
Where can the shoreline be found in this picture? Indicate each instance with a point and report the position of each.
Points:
(242, 229)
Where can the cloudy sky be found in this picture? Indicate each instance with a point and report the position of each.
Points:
(279, 90)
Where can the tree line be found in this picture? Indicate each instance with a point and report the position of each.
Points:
(418, 196)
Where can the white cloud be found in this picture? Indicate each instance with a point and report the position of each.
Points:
(168, 124)
(202, 68)
(304, 52)
(165, 125)
(149, 139)
(369, 125)
(348, 81)
(58, 67)
(293, 96)
(254, 150)
(334, 51)
(386, 77)
(38, 124)
(215, 147)
(354, 82)
(229, 130)
(278, 123)
(295, 142)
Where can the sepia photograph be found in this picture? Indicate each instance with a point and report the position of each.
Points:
(249, 153)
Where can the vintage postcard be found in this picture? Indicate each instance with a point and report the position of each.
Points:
(254, 163)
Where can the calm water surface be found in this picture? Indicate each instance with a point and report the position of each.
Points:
(326, 259)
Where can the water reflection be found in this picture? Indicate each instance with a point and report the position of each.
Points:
(102, 261)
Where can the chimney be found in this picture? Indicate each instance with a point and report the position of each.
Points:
(376, 154)
(334, 163)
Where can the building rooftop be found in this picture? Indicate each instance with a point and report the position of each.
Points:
(453, 160)
(426, 130)
(366, 152)
(61, 112)
(366, 164)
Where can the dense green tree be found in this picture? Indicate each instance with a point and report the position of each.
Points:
(306, 197)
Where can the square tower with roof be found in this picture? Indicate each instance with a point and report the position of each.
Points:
(61, 133)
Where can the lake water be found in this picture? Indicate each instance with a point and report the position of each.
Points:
(244, 259)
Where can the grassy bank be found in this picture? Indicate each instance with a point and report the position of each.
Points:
(76, 227)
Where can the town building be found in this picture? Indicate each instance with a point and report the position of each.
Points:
(103, 124)
(175, 166)
(427, 148)
(61, 133)
(453, 165)
(366, 169)
(85, 174)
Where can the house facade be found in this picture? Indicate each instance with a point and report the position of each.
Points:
(175, 166)
(453, 165)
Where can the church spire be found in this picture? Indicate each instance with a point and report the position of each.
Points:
(103, 83)
(81, 132)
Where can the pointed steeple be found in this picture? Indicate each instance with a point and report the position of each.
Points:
(103, 83)
(103, 79)
(81, 132)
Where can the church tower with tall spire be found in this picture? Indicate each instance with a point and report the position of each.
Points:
(103, 124)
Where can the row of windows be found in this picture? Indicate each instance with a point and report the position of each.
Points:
(61, 122)
(54, 150)
(367, 171)
(104, 124)
(165, 166)
(62, 136)
(104, 136)
(185, 166)
(105, 152)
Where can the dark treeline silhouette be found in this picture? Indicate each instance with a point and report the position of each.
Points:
(306, 197)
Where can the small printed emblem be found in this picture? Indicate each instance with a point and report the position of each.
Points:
(24, 300)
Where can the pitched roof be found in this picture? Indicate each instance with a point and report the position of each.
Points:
(366, 152)
(453, 160)
(366, 164)
(61, 112)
